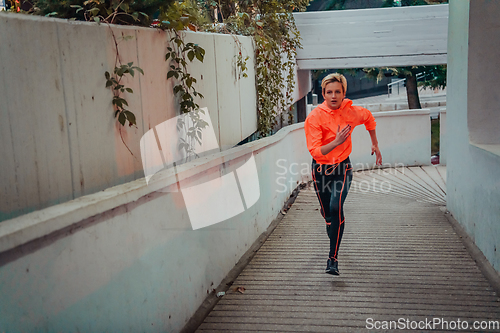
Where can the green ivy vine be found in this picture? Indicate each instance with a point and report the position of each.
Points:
(272, 25)
(185, 88)
(113, 81)
(270, 22)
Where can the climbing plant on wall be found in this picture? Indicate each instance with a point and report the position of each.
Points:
(272, 25)
(270, 22)
(174, 16)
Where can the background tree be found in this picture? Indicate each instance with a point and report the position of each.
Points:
(432, 77)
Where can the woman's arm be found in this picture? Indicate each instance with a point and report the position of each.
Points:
(375, 149)
(341, 136)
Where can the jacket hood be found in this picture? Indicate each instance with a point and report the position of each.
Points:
(346, 103)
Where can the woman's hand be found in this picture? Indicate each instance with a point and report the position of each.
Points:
(341, 136)
(375, 150)
(378, 155)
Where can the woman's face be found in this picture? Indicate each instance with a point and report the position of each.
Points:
(334, 95)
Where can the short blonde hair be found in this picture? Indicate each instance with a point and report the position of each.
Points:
(334, 77)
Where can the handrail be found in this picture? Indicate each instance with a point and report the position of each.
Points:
(389, 85)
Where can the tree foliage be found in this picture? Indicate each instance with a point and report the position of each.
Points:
(435, 77)
(431, 77)
(128, 12)
(272, 25)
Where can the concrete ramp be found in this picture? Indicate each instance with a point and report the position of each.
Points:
(402, 266)
(396, 36)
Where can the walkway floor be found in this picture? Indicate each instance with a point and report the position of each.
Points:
(400, 261)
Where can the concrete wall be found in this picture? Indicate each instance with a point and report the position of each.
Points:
(443, 137)
(473, 171)
(58, 137)
(404, 139)
(126, 259)
(303, 84)
(483, 116)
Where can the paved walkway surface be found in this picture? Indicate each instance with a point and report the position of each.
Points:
(400, 261)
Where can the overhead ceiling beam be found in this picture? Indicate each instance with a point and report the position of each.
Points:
(395, 36)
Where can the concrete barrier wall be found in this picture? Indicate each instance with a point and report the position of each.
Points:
(404, 139)
(443, 145)
(376, 107)
(59, 139)
(473, 170)
(126, 259)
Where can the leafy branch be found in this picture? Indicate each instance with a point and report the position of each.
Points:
(126, 12)
(184, 89)
(270, 22)
(174, 16)
(190, 129)
(113, 81)
(272, 25)
(242, 65)
(97, 11)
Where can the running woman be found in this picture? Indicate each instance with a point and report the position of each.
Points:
(328, 131)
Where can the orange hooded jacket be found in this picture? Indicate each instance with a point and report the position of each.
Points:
(322, 124)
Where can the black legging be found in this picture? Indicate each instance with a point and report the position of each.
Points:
(332, 183)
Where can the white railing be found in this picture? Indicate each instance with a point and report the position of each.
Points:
(400, 84)
(404, 138)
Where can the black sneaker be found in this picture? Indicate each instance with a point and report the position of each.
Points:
(332, 268)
